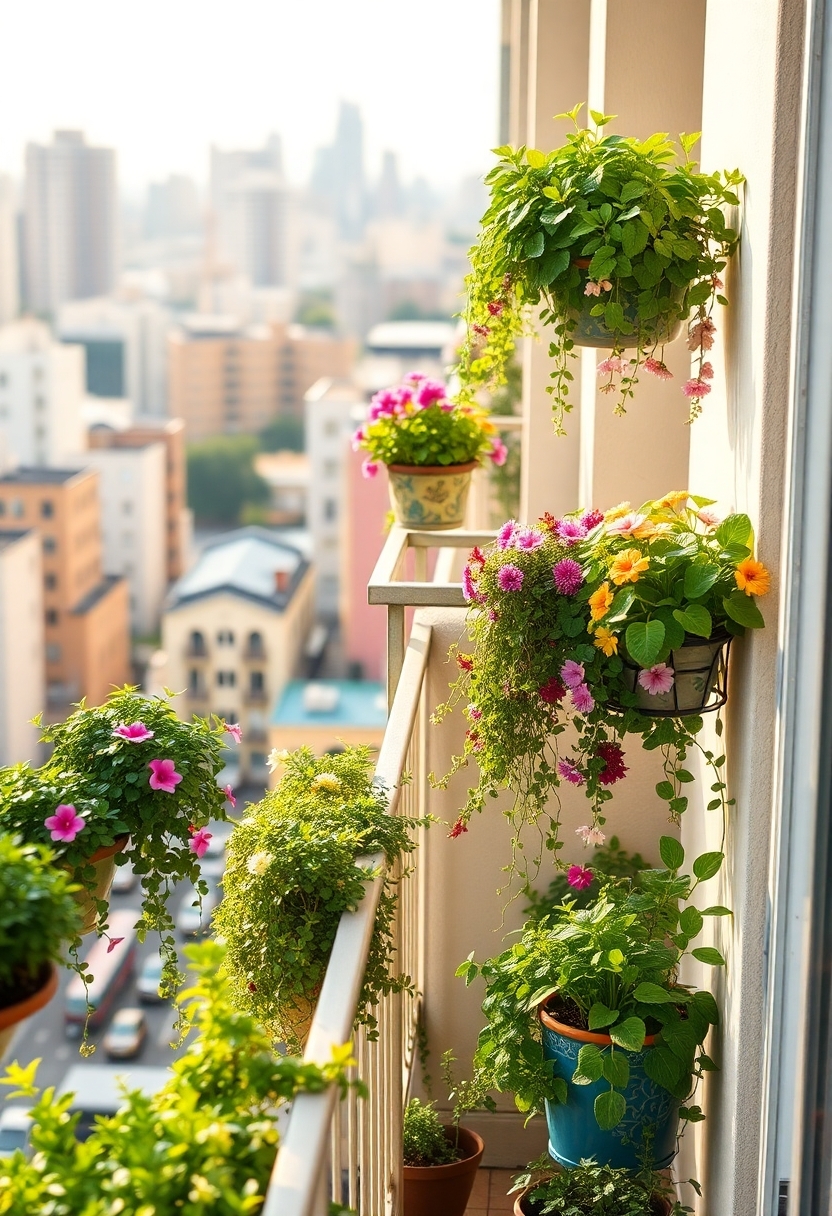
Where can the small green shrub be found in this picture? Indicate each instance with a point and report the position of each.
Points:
(425, 1139)
(594, 1190)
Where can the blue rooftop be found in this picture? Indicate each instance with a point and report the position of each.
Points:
(331, 703)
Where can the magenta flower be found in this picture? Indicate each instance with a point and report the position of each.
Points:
(528, 539)
(235, 731)
(358, 438)
(696, 388)
(383, 404)
(429, 392)
(369, 469)
(568, 576)
(582, 700)
(614, 767)
(570, 772)
(591, 519)
(65, 824)
(495, 308)
(482, 330)
(499, 452)
(570, 531)
(113, 942)
(505, 537)
(657, 367)
(579, 877)
(572, 673)
(614, 364)
(136, 732)
(510, 578)
(474, 713)
(199, 841)
(657, 679)
(469, 591)
(415, 378)
(229, 794)
(163, 776)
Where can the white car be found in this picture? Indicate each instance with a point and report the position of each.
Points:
(124, 879)
(147, 985)
(189, 921)
(126, 1034)
(15, 1125)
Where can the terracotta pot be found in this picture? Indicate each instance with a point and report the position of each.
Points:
(11, 1015)
(103, 861)
(591, 331)
(430, 497)
(443, 1190)
(700, 684)
(524, 1207)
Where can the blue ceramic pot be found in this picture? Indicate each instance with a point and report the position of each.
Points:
(573, 1130)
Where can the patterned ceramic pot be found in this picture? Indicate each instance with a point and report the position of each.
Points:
(11, 1015)
(591, 331)
(430, 497)
(573, 1130)
(443, 1190)
(103, 861)
(700, 684)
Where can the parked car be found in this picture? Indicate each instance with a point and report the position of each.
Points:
(15, 1125)
(124, 879)
(147, 985)
(126, 1034)
(97, 1089)
(189, 920)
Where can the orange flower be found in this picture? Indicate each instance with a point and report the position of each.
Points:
(623, 508)
(628, 566)
(752, 577)
(600, 601)
(673, 501)
(606, 640)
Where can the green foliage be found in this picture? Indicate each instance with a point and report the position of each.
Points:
(504, 479)
(425, 1139)
(648, 236)
(292, 870)
(415, 424)
(283, 434)
(37, 916)
(608, 861)
(315, 310)
(205, 1143)
(594, 1190)
(614, 966)
(222, 480)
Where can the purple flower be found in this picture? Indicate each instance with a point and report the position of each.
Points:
(591, 519)
(572, 673)
(570, 531)
(568, 576)
(163, 776)
(570, 772)
(65, 824)
(510, 578)
(528, 539)
(582, 700)
(505, 537)
(136, 732)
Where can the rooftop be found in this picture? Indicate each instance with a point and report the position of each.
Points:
(410, 337)
(245, 562)
(97, 594)
(39, 476)
(331, 703)
(11, 536)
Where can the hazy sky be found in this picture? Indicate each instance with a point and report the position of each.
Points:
(160, 79)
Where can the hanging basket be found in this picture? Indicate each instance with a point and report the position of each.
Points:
(591, 331)
(103, 861)
(700, 684)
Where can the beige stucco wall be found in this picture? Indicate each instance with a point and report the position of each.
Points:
(22, 672)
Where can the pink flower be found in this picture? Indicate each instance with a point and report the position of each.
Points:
(657, 679)
(588, 835)
(384, 403)
(113, 942)
(495, 307)
(499, 452)
(582, 700)
(369, 468)
(696, 388)
(716, 282)
(553, 691)
(510, 578)
(473, 713)
(505, 537)
(469, 589)
(229, 794)
(568, 576)
(473, 737)
(709, 518)
(614, 364)
(572, 673)
(465, 662)
(492, 615)
(570, 772)
(592, 289)
(614, 767)
(701, 335)
(163, 776)
(235, 731)
(626, 525)
(591, 519)
(415, 378)
(570, 531)
(457, 830)
(579, 877)
(482, 330)
(657, 367)
(136, 732)
(358, 438)
(65, 824)
(528, 539)
(477, 557)
(429, 392)
(706, 371)
(199, 841)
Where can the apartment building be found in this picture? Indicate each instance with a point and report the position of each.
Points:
(85, 613)
(22, 677)
(233, 631)
(327, 715)
(9, 278)
(41, 395)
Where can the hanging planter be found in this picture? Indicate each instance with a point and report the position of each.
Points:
(430, 447)
(699, 669)
(96, 890)
(590, 329)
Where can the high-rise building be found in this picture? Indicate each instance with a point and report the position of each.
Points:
(41, 395)
(86, 614)
(254, 214)
(22, 683)
(338, 173)
(172, 208)
(70, 221)
(9, 276)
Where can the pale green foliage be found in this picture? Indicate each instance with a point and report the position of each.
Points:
(37, 915)
(425, 1140)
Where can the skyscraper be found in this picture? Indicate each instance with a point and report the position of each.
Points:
(70, 221)
(338, 174)
(9, 287)
(253, 208)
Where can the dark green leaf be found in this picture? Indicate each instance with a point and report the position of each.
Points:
(671, 851)
(644, 641)
(734, 530)
(534, 245)
(610, 1108)
(743, 609)
(652, 994)
(709, 955)
(600, 1016)
(695, 619)
(691, 921)
(663, 1067)
(707, 864)
(699, 578)
(616, 1069)
(629, 1034)
(590, 1065)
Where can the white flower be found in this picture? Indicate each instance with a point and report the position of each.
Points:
(258, 863)
(330, 782)
(276, 758)
(590, 835)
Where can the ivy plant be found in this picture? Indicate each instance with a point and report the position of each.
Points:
(609, 224)
(590, 1189)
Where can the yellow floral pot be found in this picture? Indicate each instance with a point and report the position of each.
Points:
(430, 497)
(103, 861)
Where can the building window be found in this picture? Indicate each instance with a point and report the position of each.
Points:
(195, 681)
(50, 545)
(18, 508)
(2, 507)
(257, 682)
(257, 760)
(53, 653)
(225, 637)
(330, 468)
(330, 510)
(197, 643)
(50, 581)
(51, 616)
(332, 428)
(255, 643)
(47, 509)
(226, 679)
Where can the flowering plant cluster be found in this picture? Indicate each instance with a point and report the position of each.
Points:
(296, 861)
(415, 424)
(608, 222)
(612, 969)
(129, 767)
(556, 610)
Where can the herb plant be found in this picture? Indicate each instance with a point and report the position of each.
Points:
(609, 221)
(595, 1190)
(614, 967)
(206, 1142)
(298, 860)
(37, 916)
(424, 1138)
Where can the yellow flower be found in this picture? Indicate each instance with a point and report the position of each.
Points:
(623, 508)
(606, 640)
(600, 601)
(645, 530)
(673, 501)
(752, 577)
(327, 781)
(627, 567)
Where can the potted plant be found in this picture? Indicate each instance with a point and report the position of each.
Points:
(587, 1018)
(600, 622)
(126, 769)
(609, 861)
(296, 862)
(37, 915)
(430, 447)
(616, 242)
(206, 1142)
(440, 1163)
(592, 1190)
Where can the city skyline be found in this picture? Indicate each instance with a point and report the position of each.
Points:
(235, 85)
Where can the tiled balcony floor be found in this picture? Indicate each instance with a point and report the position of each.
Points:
(489, 1194)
